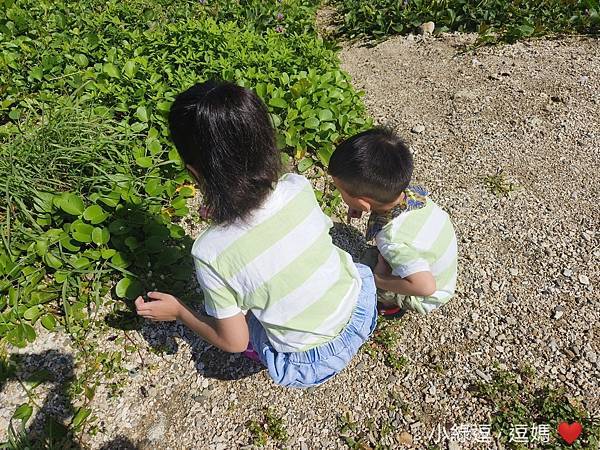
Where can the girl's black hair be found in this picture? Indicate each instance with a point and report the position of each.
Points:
(224, 132)
(375, 163)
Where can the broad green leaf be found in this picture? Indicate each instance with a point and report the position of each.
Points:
(164, 107)
(39, 297)
(118, 227)
(95, 214)
(153, 187)
(81, 60)
(33, 313)
(52, 261)
(327, 126)
(144, 161)
(71, 204)
(23, 412)
(312, 122)
(110, 201)
(80, 263)
(14, 114)
(82, 232)
(37, 73)
(120, 260)
(61, 276)
(130, 68)
(176, 231)
(100, 236)
(111, 70)
(13, 296)
(181, 212)
(128, 288)
(108, 253)
(80, 416)
(305, 164)
(138, 127)
(178, 202)
(141, 113)
(187, 191)
(131, 242)
(41, 247)
(28, 332)
(48, 322)
(325, 114)
(278, 102)
(154, 146)
(43, 202)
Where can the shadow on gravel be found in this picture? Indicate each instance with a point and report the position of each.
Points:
(119, 443)
(212, 362)
(348, 239)
(52, 425)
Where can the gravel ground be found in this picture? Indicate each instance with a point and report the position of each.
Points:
(529, 264)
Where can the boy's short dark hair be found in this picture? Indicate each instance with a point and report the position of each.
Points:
(225, 133)
(375, 163)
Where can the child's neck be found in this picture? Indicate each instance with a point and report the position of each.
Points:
(385, 208)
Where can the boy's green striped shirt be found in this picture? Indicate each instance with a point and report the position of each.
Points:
(422, 240)
(282, 266)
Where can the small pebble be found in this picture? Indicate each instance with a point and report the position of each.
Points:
(418, 129)
(558, 312)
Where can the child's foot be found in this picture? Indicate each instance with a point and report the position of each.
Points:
(389, 311)
(250, 353)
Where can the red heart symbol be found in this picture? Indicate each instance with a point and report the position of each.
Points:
(571, 432)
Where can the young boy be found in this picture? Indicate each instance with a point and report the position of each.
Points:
(417, 261)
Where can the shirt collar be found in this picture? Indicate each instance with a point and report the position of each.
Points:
(415, 198)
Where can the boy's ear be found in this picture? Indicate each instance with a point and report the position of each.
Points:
(365, 203)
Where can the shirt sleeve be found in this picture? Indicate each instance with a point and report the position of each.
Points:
(404, 260)
(220, 301)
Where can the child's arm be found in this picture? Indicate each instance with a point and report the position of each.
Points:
(421, 284)
(230, 334)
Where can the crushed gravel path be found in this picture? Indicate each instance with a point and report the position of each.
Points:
(529, 262)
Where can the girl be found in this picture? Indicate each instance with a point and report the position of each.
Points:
(268, 251)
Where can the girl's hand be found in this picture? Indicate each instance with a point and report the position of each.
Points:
(164, 307)
(354, 213)
(382, 267)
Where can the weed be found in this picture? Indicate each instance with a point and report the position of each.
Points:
(374, 433)
(498, 185)
(384, 342)
(517, 401)
(270, 426)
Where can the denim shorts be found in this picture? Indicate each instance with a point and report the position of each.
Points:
(317, 365)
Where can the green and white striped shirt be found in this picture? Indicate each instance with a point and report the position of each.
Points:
(282, 265)
(421, 240)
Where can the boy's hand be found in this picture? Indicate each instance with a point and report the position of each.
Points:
(382, 267)
(164, 307)
(354, 213)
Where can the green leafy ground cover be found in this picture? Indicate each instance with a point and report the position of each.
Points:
(91, 184)
(92, 190)
(494, 20)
